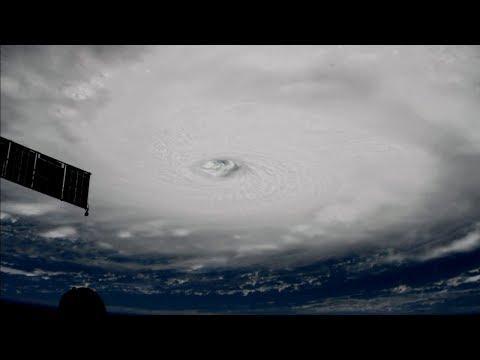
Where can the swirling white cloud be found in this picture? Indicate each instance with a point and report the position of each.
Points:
(325, 148)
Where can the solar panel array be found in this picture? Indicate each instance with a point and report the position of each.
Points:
(44, 174)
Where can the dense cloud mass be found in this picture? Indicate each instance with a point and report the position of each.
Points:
(235, 156)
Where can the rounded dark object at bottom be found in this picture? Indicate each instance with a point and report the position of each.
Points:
(81, 304)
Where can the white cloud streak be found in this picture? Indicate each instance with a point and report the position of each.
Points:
(34, 273)
(28, 209)
(60, 232)
(470, 242)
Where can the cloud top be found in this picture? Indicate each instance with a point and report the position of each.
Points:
(338, 148)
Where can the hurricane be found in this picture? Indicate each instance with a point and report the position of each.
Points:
(227, 155)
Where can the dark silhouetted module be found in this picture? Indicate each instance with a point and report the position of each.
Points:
(44, 174)
(82, 304)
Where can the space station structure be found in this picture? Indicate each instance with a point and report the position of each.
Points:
(42, 173)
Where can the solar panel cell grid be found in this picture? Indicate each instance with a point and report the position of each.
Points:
(43, 173)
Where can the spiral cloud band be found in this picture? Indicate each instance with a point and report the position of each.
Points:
(219, 155)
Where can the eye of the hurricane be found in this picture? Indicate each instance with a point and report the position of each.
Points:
(219, 167)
